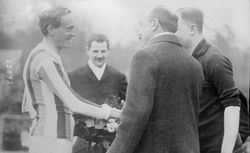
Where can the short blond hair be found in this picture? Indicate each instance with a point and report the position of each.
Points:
(52, 17)
(193, 15)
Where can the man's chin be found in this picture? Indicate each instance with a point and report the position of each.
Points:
(99, 64)
(67, 45)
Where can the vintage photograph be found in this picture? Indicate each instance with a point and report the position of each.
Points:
(124, 76)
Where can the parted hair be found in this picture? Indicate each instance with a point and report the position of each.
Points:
(167, 19)
(98, 38)
(52, 17)
(192, 15)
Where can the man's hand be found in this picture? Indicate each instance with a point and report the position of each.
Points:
(115, 113)
(246, 145)
(109, 112)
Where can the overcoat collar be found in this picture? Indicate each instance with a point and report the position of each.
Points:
(171, 38)
(201, 49)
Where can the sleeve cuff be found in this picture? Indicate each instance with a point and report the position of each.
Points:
(231, 102)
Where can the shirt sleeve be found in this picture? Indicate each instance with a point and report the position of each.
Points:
(221, 74)
(139, 104)
(49, 72)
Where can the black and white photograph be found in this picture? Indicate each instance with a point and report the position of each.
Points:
(124, 76)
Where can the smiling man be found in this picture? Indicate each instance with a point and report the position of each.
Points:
(48, 97)
(101, 83)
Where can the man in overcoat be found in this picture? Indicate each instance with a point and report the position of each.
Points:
(162, 107)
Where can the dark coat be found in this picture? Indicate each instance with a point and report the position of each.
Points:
(161, 111)
(112, 84)
(110, 89)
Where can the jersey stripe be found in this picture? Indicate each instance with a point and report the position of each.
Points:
(72, 91)
(61, 123)
(63, 120)
(29, 83)
(63, 126)
(28, 74)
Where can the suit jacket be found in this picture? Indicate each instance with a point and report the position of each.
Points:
(110, 89)
(161, 111)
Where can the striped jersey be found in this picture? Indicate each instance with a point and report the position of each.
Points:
(47, 92)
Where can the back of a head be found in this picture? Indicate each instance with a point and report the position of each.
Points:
(52, 17)
(98, 38)
(192, 15)
(167, 20)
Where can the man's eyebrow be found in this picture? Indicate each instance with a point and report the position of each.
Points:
(70, 27)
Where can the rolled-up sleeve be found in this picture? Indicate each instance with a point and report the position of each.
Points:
(139, 104)
(220, 69)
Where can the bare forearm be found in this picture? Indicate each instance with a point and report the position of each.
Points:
(56, 83)
(231, 126)
(115, 113)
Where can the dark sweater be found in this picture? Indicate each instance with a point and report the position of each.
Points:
(218, 92)
(161, 111)
(244, 128)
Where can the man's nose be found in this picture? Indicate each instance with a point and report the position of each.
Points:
(72, 34)
(99, 54)
(139, 36)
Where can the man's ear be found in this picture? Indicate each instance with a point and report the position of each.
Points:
(155, 24)
(193, 29)
(108, 52)
(51, 30)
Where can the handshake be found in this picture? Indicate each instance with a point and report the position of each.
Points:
(109, 112)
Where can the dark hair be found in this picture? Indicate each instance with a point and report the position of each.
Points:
(98, 38)
(193, 15)
(167, 20)
(52, 17)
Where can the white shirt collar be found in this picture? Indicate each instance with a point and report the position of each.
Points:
(96, 70)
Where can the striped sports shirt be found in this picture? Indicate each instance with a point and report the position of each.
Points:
(47, 94)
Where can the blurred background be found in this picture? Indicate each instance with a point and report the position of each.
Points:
(227, 25)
